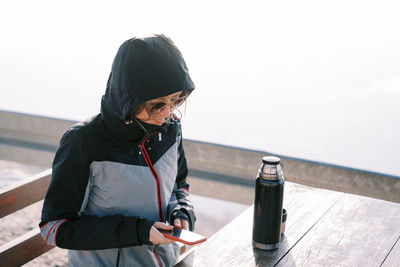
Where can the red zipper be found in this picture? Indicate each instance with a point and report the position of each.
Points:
(157, 258)
(155, 175)
(157, 179)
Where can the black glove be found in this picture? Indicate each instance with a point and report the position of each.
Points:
(183, 216)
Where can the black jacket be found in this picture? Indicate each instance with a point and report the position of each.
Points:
(111, 180)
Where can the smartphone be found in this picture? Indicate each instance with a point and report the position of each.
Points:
(183, 236)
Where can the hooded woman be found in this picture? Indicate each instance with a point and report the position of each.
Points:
(121, 175)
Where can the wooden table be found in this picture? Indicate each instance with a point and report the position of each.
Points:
(323, 228)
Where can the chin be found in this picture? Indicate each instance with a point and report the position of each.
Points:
(157, 122)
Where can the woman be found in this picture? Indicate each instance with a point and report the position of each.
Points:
(121, 175)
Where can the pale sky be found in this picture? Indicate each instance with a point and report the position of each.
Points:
(313, 79)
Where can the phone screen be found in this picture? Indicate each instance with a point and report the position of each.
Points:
(183, 236)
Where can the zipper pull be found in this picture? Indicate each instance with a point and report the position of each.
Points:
(159, 136)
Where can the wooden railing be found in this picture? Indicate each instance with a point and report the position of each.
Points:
(13, 198)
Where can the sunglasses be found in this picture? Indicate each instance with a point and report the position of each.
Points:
(157, 107)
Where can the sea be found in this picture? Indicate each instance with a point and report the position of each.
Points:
(315, 80)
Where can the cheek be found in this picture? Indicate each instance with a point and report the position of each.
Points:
(142, 115)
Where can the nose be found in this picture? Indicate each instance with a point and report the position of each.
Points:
(165, 112)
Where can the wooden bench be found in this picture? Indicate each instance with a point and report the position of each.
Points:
(31, 245)
(13, 198)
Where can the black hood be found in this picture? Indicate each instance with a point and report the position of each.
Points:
(144, 69)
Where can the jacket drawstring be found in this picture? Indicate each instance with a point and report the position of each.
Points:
(141, 126)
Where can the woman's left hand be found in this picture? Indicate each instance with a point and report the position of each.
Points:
(178, 223)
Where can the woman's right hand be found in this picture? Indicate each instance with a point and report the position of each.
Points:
(158, 238)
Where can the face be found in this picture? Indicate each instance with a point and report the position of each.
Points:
(160, 109)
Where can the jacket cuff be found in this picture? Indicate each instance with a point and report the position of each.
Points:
(179, 215)
(192, 217)
(184, 215)
(143, 227)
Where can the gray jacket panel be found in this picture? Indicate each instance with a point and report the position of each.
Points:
(130, 190)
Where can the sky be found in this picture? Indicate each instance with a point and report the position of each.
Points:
(316, 80)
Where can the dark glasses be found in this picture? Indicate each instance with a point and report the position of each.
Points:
(157, 107)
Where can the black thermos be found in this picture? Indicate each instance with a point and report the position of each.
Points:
(268, 205)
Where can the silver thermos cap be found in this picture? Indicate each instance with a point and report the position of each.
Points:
(270, 169)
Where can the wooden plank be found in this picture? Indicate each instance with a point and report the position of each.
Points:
(232, 246)
(24, 193)
(393, 259)
(357, 231)
(23, 249)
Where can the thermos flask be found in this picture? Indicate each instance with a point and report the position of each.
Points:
(268, 205)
